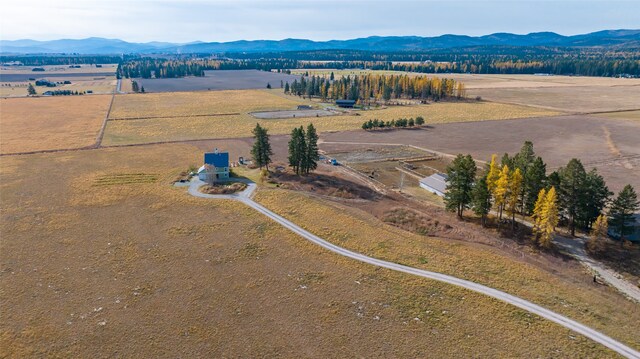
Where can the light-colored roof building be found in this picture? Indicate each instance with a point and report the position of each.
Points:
(436, 183)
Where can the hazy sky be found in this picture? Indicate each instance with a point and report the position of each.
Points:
(227, 20)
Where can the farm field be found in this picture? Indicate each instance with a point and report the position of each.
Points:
(245, 285)
(363, 233)
(57, 76)
(218, 80)
(610, 145)
(46, 123)
(625, 115)
(226, 114)
(559, 93)
(59, 69)
(580, 99)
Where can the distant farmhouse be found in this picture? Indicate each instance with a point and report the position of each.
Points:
(215, 164)
(634, 236)
(346, 103)
(436, 183)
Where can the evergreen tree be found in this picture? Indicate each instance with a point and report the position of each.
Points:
(534, 180)
(481, 200)
(311, 154)
(571, 191)
(297, 149)
(419, 121)
(31, 90)
(286, 88)
(594, 197)
(621, 213)
(460, 177)
(261, 149)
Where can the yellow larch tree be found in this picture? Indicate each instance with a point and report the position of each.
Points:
(550, 218)
(515, 187)
(501, 189)
(537, 214)
(493, 174)
(595, 243)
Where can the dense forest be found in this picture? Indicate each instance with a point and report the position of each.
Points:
(43, 60)
(481, 60)
(378, 87)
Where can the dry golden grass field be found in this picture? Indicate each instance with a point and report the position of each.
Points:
(57, 69)
(107, 257)
(569, 292)
(625, 115)
(559, 93)
(126, 85)
(44, 123)
(182, 116)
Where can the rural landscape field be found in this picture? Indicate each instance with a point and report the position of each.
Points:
(385, 196)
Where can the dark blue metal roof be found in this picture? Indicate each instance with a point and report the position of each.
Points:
(220, 159)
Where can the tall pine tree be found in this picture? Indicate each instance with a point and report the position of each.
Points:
(461, 174)
(261, 150)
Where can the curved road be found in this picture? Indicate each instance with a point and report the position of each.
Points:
(245, 197)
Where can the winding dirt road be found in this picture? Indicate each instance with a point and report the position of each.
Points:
(245, 197)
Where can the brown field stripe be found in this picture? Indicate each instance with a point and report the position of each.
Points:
(183, 116)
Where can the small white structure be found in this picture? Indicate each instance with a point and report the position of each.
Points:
(436, 183)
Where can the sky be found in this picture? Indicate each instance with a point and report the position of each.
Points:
(229, 20)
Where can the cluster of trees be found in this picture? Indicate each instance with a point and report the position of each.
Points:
(374, 86)
(303, 149)
(65, 93)
(401, 122)
(519, 185)
(163, 68)
(135, 87)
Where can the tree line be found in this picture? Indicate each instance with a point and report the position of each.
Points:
(376, 86)
(399, 123)
(519, 184)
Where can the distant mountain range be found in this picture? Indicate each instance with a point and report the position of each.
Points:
(96, 45)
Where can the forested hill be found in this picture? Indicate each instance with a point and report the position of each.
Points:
(94, 45)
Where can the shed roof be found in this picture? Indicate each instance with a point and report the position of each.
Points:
(437, 181)
(220, 159)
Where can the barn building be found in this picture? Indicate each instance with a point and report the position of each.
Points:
(215, 164)
(436, 184)
(345, 103)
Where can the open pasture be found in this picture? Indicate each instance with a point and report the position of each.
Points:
(144, 118)
(247, 286)
(609, 145)
(218, 80)
(559, 93)
(578, 99)
(59, 69)
(46, 123)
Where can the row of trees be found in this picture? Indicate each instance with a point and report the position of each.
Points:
(519, 184)
(401, 122)
(303, 149)
(363, 88)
